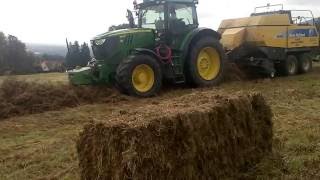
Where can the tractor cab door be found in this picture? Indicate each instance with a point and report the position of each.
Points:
(182, 18)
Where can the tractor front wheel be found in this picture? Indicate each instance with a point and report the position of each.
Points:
(206, 63)
(139, 75)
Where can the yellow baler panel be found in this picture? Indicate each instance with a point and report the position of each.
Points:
(232, 38)
(266, 20)
(271, 36)
(302, 36)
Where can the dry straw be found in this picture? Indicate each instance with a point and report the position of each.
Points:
(214, 137)
(20, 98)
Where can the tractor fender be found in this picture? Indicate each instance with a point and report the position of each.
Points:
(147, 52)
(194, 36)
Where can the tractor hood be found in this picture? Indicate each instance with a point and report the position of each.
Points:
(112, 47)
(109, 50)
(123, 32)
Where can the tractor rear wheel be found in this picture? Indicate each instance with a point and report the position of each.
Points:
(139, 75)
(305, 63)
(289, 67)
(206, 64)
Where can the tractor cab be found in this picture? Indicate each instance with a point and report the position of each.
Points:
(171, 19)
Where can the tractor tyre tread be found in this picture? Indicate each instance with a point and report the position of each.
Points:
(304, 57)
(124, 75)
(283, 67)
(192, 76)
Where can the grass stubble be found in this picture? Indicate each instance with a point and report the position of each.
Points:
(42, 145)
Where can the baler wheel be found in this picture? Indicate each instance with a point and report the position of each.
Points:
(305, 63)
(288, 67)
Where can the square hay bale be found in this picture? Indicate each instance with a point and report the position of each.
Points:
(213, 138)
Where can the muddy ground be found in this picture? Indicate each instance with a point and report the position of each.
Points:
(42, 146)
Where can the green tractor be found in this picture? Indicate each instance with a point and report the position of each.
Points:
(166, 45)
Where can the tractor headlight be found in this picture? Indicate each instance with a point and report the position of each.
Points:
(99, 42)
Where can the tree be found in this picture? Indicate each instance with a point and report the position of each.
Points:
(85, 54)
(77, 56)
(14, 57)
(19, 60)
(3, 52)
(73, 55)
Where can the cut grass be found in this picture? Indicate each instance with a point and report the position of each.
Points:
(42, 146)
(41, 78)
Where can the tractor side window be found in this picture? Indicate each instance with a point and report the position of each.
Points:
(152, 17)
(183, 13)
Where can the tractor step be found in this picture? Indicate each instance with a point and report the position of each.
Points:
(177, 67)
(179, 79)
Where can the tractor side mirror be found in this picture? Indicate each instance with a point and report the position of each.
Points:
(130, 18)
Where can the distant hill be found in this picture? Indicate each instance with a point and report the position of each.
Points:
(47, 49)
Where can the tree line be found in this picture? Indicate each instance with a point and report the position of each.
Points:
(14, 58)
(77, 56)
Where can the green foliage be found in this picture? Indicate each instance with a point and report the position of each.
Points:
(14, 58)
(77, 55)
(3, 51)
(85, 56)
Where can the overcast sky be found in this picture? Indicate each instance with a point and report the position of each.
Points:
(51, 21)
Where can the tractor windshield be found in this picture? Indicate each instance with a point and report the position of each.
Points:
(152, 17)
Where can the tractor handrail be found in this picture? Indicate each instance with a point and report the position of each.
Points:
(268, 6)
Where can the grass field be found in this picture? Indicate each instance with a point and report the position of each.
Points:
(45, 77)
(42, 146)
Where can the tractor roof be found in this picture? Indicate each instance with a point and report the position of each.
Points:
(147, 3)
(174, 1)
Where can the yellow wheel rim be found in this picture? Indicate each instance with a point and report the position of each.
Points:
(143, 78)
(208, 63)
